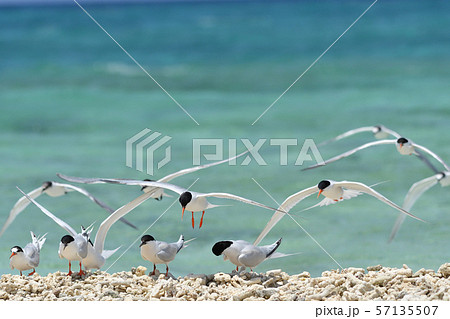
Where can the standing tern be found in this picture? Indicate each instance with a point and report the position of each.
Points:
(52, 189)
(379, 132)
(404, 147)
(243, 254)
(159, 252)
(158, 192)
(75, 248)
(416, 190)
(27, 258)
(334, 192)
(97, 255)
(189, 200)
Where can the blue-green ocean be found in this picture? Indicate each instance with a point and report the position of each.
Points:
(70, 98)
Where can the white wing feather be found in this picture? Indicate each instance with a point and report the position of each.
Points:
(173, 188)
(60, 222)
(435, 156)
(108, 222)
(366, 189)
(416, 190)
(353, 151)
(19, 206)
(347, 134)
(85, 193)
(235, 197)
(197, 168)
(284, 208)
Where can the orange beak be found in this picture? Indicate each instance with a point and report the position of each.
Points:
(320, 192)
(182, 212)
(401, 145)
(13, 254)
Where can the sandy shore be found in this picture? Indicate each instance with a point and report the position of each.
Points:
(373, 283)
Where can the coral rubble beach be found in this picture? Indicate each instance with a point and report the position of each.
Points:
(351, 284)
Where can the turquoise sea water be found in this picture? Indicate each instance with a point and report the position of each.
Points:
(70, 98)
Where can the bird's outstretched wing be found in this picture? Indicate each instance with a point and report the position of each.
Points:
(135, 182)
(19, 206)
(347, 134)
(100, 237)
(92, 198)
(197, 168)
(416, 190)
(353, 151)
(284, 208)
(60, 222)
(434, 155)
(235, 197)
(390, 132)
(366, 189)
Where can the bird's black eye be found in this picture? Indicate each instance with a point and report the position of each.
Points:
(323, 184)
(220, 246)
(402, 140)
(185, 198)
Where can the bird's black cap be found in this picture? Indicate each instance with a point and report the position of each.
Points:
(46, 185)
(402, 140)
(145, 239)
(146, 180)
(17, 249)
(220, 246)
(185, 198)
(323, 184)
(66, 239)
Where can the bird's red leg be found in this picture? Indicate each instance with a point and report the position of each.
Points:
(154, 270)
(70, 270)
(34, 270)
(167, 271)
(201, 220)
(237, 268)
(20, 272)
(81, 273)
(193, 220)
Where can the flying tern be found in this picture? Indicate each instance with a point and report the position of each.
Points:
(158, 192)
(334, 192)
(28, 257)
(159, 252)
(379, 132)
(96, 255)
(403, 145)
(52, 189)
(416, 190)
(243, 254)
(189, 200)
